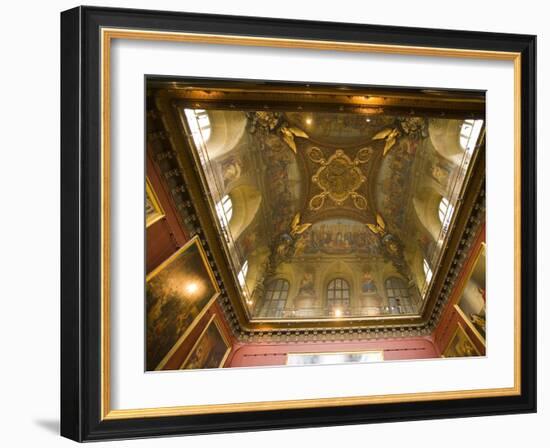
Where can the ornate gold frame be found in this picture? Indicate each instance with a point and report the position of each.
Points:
(212, 320)
(107, 36)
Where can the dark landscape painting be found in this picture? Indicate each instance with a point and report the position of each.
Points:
(178, 292)
(210, 350)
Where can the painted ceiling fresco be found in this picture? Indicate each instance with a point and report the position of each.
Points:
(331, 215)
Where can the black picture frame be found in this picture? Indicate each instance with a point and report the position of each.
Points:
(81, 224)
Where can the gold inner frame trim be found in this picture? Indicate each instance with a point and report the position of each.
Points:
(107, 35)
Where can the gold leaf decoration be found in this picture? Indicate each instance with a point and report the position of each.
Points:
(389, 145)
(295, 221)
(363, 155)
(373, 228)
(383, 134)
(316, 155)
(296, 227)
(301, 228)
(288, 135)
(359, 201)
(380, 221)
(390, 136)
(298, 132)
(289, 139)
(317, 201)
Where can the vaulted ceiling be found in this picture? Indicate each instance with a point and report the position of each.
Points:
(327, 207)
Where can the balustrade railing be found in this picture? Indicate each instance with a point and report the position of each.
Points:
(334, 312)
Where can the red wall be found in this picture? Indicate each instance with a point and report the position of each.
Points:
(257, 354)
(166, 235)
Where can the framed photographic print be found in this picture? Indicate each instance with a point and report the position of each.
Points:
(251, 202)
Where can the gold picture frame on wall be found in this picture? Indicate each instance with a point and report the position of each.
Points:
(470, 325)
(211, 349)
(153, 208)
(190, 295)
(476, 318)
(460, 345)
(90, 166)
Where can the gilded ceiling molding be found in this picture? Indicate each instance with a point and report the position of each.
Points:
(339, 178)
(275, 123)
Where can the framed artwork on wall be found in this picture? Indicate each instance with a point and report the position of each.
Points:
(460, 345)
(471, 303)
(335, 207)
(178, 293)
(211, 349)
(153, 209)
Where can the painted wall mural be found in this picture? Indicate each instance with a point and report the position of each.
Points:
(395, 183)
(232, 168)
(339, 236)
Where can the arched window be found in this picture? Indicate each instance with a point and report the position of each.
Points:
(445, 213)
(224, 210)
(203, 120)
(242, 274)
(338, 297)
(199, 125)
(443, 207)
(275, 298)
(200, 128)
(399, 296)
(469, 133)
(427, 271)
